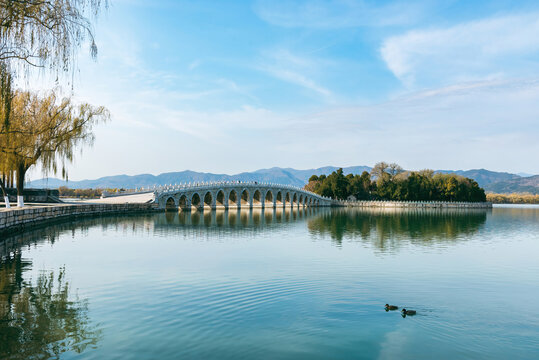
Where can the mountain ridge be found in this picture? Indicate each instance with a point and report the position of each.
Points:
(528, 184)
(490, 180)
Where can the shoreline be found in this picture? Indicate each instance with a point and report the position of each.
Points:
(414, 204)
(21, 219)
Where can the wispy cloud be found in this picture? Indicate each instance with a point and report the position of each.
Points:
(299, 79)
(482, 124)
(338, 13)
(197, 102)
(296, 69)
(488, 48)
(443, 127)
(193, 65)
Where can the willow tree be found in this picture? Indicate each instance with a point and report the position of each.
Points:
(41, 34)
(46, 33)
(6, 97)
(45, 131)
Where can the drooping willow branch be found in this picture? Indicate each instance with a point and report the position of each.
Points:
(45, 131)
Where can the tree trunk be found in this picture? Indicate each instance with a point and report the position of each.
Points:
(21, 172)
(6, 197)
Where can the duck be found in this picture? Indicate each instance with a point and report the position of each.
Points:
(408, 312)
(391, 307)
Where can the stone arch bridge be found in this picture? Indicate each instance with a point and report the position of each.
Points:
(236, 194)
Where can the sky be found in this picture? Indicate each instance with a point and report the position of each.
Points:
(232, 86)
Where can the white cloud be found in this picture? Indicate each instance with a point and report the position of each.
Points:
(490, 124)
(483, 49)
(484, 124)
(171, 120)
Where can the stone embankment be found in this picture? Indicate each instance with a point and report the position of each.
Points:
(18, 219)
(415, 204)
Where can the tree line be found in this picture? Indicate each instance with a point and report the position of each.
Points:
(64, 191)
(391, 182)
(42, 128)
(513, 198)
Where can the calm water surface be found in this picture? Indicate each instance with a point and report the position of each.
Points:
(275, 285)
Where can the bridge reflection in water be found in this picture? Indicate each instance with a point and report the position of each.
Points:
(237, 217)
(386, 229)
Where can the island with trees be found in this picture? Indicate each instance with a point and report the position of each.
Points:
(391, 182)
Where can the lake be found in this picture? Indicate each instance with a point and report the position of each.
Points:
(294, 284)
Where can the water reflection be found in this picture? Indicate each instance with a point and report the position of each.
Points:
(386, 227)
(238, 217)
(40, 320)
(135, 223)
(243, 218)
(312, 280)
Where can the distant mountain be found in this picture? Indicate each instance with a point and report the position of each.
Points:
(528, 184)
(482, 176)
(278, 175)
(304, 175)
(502, 182)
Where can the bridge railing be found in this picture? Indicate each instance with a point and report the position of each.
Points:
(161, 190)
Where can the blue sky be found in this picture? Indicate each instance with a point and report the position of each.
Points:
(231, 86)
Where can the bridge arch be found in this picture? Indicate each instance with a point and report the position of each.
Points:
(233, 197)
(287, 199)
(170, 204)
(208, 199)
(301, 200)
(220, 198)
(196, 201)
(269, 197)
(245, 198)
(258, 200)
(279, 198)
(294, 199)
(183, 202)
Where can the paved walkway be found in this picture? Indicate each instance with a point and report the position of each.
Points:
(124, 199)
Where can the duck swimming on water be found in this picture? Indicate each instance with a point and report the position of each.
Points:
(408, 312)
(391, 307)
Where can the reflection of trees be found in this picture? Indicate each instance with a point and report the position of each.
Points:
(385, 228)
(38, 320)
